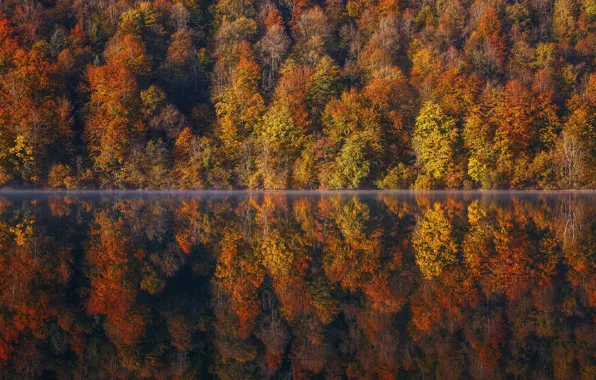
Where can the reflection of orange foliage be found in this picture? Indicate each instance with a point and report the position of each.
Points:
(32, 267)
(8, 337)
(61, 206)
(184, 242)
(241, 277)
(191, 225)
(274, 359)
(127, 327)
(111, 293)
(181, 332)
(488, 341)
(512, 267)
(286, 261)
(332, 290)
(426, 314)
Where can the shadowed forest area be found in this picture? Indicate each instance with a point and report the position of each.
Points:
(302, 94)
(297, 287)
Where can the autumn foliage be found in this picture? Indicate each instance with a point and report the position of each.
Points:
(266, 286)
(326, 94)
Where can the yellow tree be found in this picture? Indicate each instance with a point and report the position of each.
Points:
(434, 141)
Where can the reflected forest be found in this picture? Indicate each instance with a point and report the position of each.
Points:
(275, 285)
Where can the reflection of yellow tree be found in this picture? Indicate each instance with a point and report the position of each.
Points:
(443, 303)
(286, 262)
(477, 244)
(433, 241)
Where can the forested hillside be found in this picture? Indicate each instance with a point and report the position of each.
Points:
(298, 94)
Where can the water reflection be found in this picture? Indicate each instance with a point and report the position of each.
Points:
(298, 286)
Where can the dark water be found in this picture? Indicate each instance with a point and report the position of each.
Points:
(291, 285)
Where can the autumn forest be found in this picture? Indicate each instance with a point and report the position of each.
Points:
(301, 94)
(276, 286)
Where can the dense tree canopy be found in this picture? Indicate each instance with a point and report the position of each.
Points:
(309, 94)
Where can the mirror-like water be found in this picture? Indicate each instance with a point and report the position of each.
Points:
(294, 285)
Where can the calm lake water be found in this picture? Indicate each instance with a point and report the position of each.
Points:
(298, 285)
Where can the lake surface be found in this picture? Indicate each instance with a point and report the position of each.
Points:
(297, 285)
